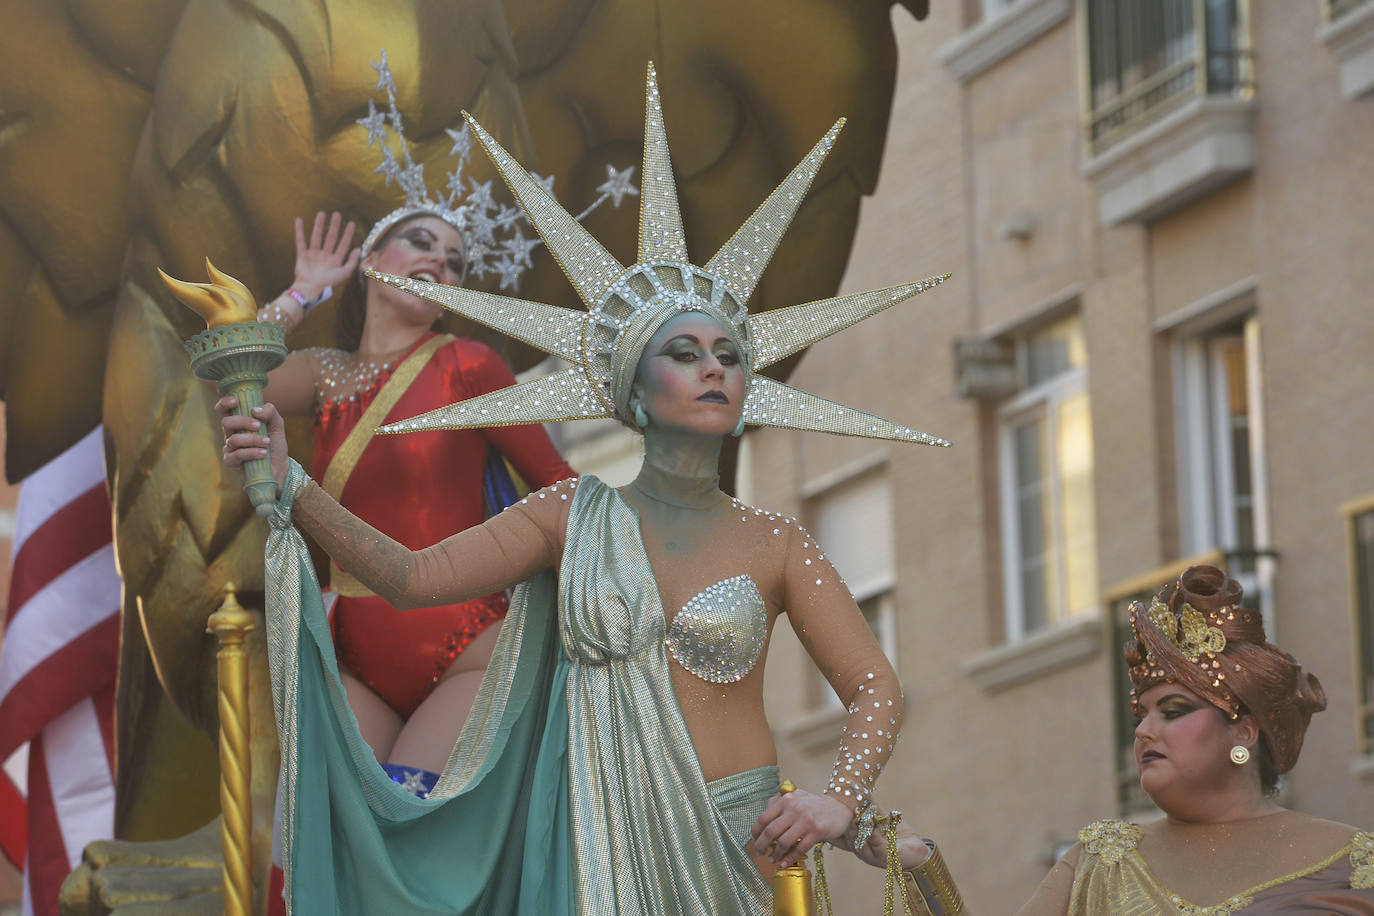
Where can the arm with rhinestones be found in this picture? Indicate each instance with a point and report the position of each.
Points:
(284, 310)
(504, 550)
(833, 630)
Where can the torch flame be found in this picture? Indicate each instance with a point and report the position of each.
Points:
(222, 301)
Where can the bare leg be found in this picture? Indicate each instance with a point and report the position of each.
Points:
(427, 737)
(378, 722)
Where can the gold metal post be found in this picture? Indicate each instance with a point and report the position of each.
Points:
(230, 624)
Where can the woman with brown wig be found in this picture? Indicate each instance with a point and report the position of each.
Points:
(1222, 716)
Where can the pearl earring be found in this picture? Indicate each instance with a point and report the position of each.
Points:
(641, 418)
(1240, 755)
(739, 428)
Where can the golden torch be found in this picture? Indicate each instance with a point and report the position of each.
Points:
(235, 351)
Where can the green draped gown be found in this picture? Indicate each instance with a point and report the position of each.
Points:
(574, 787)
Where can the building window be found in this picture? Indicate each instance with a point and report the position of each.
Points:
(1146, 57)
(1216, 479)
(1220, 455)
(1361, 532)
(853, 523)
(1046, 469)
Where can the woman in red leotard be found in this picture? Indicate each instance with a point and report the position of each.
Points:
(410, 677)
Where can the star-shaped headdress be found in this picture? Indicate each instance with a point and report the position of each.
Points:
(626, 305)
(492, 236)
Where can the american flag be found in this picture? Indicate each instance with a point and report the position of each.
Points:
(57, 672)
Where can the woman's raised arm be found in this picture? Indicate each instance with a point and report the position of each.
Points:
(495, 555)
(325, 262)
(504, 550)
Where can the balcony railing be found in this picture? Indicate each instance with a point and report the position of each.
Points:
(1147, 57)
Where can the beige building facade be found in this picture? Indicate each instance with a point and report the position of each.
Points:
(1157, 345)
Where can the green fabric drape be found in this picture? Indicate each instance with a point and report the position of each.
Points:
(574, 788)
(493, 837)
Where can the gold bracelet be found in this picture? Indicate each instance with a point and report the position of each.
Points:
(934, 882)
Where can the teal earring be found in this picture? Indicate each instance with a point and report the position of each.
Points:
(641, 418)
(739, 428)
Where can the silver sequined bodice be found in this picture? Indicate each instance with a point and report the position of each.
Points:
(719, 634)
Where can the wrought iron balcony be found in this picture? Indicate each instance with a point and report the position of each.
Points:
(1146, 58)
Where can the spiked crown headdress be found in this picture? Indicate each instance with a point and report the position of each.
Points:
(491, 231)
(626, 305)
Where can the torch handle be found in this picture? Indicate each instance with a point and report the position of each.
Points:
(258, 483)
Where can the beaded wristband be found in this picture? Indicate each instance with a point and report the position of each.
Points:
(305, 303)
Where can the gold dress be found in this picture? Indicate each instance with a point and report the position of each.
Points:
(1113, 878)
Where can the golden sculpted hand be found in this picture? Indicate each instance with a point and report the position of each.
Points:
(244, 440)
(791, 824)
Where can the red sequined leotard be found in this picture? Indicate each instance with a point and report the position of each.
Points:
(419, 488)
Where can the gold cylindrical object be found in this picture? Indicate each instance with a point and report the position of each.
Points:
(230, 624)
(792, 895)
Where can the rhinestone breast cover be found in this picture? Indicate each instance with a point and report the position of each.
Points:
(719, 634)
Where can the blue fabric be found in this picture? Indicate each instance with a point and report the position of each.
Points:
(498, 489)
(414, 780)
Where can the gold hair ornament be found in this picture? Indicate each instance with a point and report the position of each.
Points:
(1189, 630)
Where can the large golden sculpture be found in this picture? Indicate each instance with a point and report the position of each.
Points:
(152, 136)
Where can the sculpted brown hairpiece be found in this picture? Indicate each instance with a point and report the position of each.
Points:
(1195, 633)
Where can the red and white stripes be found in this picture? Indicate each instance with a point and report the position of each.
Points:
(57, 671)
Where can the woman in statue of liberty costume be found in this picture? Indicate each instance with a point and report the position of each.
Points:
(617, 757)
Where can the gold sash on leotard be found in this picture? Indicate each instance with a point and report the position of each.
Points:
(341, 466)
